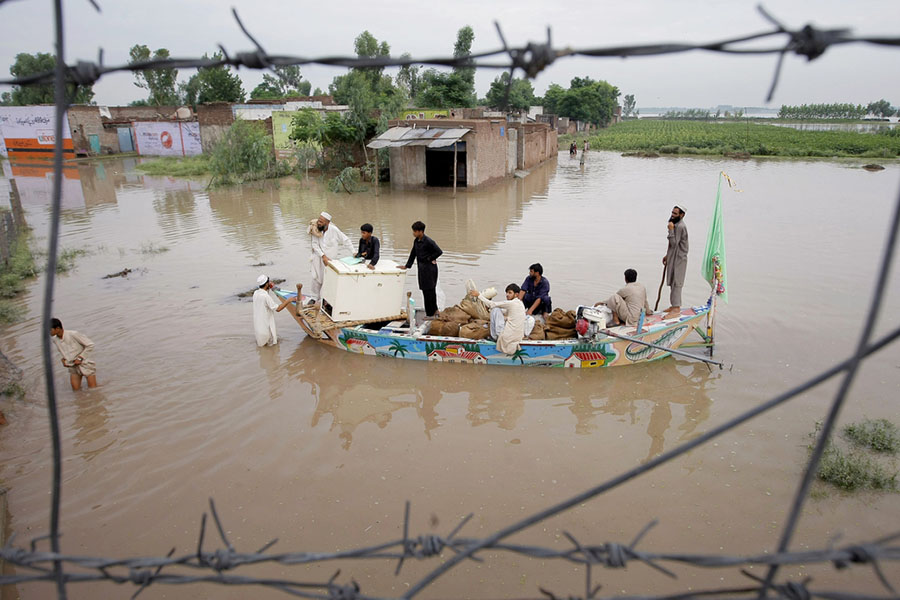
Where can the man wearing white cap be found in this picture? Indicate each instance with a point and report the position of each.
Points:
(326, 241)
(264, 309)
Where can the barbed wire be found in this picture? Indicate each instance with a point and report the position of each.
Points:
(530, 59)
(215, 566)
(143, 571)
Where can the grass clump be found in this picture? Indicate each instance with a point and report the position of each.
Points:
(13, 390)
(188, 166)
(856, 467)
(878, 435)
(153, 248)
(65, 262)
(13, 273)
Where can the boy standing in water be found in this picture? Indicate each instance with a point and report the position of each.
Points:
(75, 349)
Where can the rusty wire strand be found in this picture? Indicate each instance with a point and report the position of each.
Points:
(531, 60)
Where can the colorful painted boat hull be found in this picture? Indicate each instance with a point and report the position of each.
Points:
(607, 352)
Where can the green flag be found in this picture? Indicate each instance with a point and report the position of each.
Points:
(713, 267)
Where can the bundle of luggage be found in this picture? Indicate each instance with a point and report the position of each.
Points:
(471, 319)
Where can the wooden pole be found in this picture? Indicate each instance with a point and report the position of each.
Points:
(659, 294)
(454, 167)
(377, 177)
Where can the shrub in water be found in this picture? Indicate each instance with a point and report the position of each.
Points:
(245, 153)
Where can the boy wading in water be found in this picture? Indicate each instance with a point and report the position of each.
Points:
(75, 349)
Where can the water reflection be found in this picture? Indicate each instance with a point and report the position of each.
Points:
(370, 389)
(247, 214)
(92, 436)
(665, 386)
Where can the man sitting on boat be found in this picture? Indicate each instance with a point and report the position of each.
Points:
(627, 303)
(535, 293)
(507, 319)
(369, 246)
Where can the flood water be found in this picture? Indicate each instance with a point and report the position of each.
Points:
(321, 448)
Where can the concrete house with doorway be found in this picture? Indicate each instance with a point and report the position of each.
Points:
(463, 152)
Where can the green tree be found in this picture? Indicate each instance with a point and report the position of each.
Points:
(213, 84)
(286, 82)
(450, 90)
(882, 108)
(41, 62)
(408, 79)
(628, 105)
(590, 101)
(521, 93)
(552, 98)
(368, 91)
(161, 83)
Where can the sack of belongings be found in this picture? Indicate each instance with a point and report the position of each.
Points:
(475, 308)
(455, 313)
(442, 327)
(561, 319)
(559, 333)
(537, 333)
(476, 330)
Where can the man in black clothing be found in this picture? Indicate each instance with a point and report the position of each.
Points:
(369, 246)
(425, 252)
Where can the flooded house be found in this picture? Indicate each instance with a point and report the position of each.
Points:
(452, 152)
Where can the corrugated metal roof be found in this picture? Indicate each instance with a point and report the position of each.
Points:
(432, 137)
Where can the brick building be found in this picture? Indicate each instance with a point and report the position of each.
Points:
(424, 151)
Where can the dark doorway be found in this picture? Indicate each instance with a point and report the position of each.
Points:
(439, 166)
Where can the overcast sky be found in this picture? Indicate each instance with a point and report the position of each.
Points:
(851, 73)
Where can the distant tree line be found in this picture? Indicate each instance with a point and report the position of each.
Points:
(882, 108)
(585, 100)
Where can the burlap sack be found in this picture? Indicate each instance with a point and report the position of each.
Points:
(441, 327)
(561, 319)
(558, 333)
(475, 308)
(455, 313)
(537, 333)
(475, 331)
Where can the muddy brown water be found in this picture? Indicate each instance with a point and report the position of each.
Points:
(321, 448)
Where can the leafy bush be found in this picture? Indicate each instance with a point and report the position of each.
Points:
(347, 181)
(245, 153)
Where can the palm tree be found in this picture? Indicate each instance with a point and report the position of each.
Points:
(397, 346)
(519, 354)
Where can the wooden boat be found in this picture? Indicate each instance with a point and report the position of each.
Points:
(392, 336)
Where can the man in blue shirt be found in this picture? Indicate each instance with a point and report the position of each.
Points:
(535, 292)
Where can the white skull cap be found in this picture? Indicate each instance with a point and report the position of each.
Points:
(325, 215)
(261, 280)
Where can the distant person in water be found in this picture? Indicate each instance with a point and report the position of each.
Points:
(76, 349)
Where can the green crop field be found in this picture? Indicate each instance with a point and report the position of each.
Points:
(688, 137)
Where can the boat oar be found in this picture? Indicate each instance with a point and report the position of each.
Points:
(663, 348)
(659, 294)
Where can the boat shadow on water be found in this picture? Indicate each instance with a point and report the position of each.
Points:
(355, 389)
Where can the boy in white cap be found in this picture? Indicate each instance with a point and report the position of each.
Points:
(264, 309)
(326, 241)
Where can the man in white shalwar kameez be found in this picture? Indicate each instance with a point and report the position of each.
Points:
(264, 309)
(326, 241)
(512, 332)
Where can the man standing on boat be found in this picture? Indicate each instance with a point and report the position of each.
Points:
(626, 304)
(425, 253)
(264, 309)
(325, 240)
(535, 292)
(675, 259)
